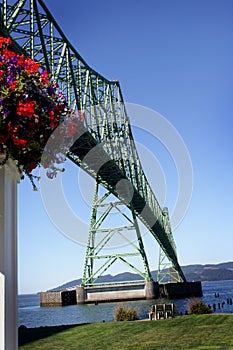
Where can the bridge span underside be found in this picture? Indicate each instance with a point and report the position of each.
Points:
(109, 175)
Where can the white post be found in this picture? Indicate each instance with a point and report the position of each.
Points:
(9, 177)
(2, 310)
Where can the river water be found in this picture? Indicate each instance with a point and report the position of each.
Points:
(31, 314)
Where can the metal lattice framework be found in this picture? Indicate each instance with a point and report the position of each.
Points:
(99, 237)
(105, 148)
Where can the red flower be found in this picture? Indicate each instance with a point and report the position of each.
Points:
(6, 41)
(19, 142)
(1, 73)
(21, 61)
(8, 54)
(26, 109)
(13, 85)
(53, 119)
(51, 114)
(12, 129)
(31, 66)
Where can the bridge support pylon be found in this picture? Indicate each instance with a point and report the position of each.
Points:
(166, 271)
(114, 237)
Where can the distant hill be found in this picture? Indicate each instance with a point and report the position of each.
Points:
(209, 272)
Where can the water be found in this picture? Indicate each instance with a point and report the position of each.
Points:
(31, 314)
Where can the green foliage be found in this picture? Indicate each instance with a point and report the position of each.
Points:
(198, 308)
(125, 314)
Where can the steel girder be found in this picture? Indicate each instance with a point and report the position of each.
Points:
(106, 128)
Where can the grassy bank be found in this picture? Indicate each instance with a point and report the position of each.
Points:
(186, 332)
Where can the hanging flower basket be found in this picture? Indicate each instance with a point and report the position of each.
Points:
(31, 108)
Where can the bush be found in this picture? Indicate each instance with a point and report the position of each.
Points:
(125, 314)
(198, 308)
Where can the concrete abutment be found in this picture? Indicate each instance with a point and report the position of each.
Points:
(121, 292)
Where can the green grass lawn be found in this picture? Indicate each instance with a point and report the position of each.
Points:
(186, 332)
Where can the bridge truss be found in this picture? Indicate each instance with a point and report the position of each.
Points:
(105, 147)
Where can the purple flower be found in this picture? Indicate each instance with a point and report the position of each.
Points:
(5, 110)
(13, 60)
(10, 79)
(15, 69)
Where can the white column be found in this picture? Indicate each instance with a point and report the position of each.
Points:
(2, 310)
(9, 177)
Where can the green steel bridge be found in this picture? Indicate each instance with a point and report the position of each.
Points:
(105, 148)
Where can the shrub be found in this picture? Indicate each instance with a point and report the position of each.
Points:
(198, 308)
(125, 314)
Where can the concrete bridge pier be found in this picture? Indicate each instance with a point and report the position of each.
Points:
(121, 292)
(80, 295)
(151, 290)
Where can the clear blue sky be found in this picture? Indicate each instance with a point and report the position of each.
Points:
(175, 57)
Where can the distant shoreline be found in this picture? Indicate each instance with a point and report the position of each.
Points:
(195, 272)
